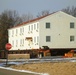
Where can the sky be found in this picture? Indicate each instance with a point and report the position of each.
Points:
(35, 6)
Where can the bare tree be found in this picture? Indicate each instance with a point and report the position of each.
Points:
(27, 17)
(13, 16)
(43, 13)
(71, 11)
(7, 19)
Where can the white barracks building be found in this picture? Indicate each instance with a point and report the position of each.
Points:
(57, 31)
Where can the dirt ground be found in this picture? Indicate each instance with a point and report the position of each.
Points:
(59, 68)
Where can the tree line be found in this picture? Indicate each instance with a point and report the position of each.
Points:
(9, 18)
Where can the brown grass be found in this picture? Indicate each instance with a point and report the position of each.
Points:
(18, 56)
(60, 68)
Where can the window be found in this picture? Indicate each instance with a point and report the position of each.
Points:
(37, 39)
(72, 38)
(12, 32)
(48, 38)
(23, 43)
(16, 43)
(34, 26)
(13, 43)
(20, 31)
(29, 28)
(23, 29)
(47, 25)
(16, 31)
(37, 26)
(72, 25)
(34, 39)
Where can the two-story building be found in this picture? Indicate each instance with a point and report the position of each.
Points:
(57, 31)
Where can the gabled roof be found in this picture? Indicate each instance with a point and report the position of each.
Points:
(31, 20)
(36, 19)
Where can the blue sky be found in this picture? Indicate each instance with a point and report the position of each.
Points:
(35, 6)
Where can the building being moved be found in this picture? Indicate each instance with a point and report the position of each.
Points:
(56, 31)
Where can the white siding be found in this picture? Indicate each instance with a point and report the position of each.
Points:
(18, 35)
(60, 31)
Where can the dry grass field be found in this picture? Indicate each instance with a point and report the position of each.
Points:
(59, 68)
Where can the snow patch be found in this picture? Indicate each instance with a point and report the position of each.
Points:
(45, 74)
(73, 60)
(23, 71)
